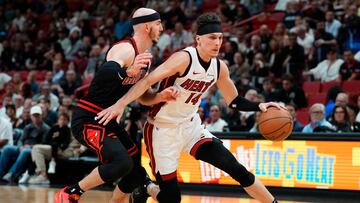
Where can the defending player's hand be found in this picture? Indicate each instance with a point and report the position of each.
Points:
(264, 106)
(106, 115)
(140, 61)
(169, 94)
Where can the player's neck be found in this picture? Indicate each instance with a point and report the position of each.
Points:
(142, 43)
(205, 57)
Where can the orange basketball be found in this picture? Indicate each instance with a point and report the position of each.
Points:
(275, 124)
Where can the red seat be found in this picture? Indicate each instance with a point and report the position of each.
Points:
(325, 86)
(316, 98)
(303, 117)
(210, 5)
(311, 87)
(351, 86)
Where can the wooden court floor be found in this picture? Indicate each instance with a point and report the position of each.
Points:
(24, 194)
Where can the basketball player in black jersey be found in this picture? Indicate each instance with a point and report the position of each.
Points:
(126, 63)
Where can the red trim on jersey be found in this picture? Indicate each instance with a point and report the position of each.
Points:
(132, 41)
(132, 150)
(148, 133)
(91, 104)
(169, 176)
(88, 109)
(163, 85)
(198, 144)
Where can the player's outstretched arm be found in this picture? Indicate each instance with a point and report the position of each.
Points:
(150, 98)
(231, 96)
(176, 64)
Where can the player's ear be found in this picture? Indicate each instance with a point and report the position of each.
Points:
(147, 27)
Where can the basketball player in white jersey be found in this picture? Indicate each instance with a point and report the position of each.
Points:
(175, 126)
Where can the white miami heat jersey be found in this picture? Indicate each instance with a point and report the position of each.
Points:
(192, 85)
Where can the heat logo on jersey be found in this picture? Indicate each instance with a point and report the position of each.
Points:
(133, 80)
(196, 85)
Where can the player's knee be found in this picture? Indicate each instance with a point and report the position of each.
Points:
(116, 169)
(132, 180)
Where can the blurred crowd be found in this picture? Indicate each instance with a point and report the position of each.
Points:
(51, 49)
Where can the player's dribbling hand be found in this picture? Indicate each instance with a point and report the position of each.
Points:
(169, 94)
(264, 106)
(106, 115)
(140, 61)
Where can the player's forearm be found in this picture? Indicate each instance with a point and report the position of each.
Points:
(150, 98)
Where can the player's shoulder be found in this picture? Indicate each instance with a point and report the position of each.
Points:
(122, 46)
(182, 56)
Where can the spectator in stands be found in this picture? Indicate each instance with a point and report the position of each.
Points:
(324, 42)
(255, 127)
(19, 105)
(340, 119)
(230, 48)
(265, 36)
(57, 72)
(259, 70)
(76, 42)
(48, 116)
(33, 134)
(297, 126)
(239, 67)
(11, 114)
(274, 58)
(254, 6)
(63, 39)
(6, 133)
(352, 112)
(342, 99)
(255, 47)
(25, 119)
(70, 84)
(268, 90)
(290, 92)
(327, 70)
(56, 141)
(46, 93)
(351, 26)
(123, 26)
(16, 81)
(31, 80)
(156, 58)
(330, 99)
(305, 40)
(317, 119)
(180, 37)
(294, 58)
(350, 69)
(6, 100)
(164, 40)
(216, 123)
(332, 25)
(96, 57)
(292, 10)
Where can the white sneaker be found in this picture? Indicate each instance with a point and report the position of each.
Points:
(39, 180)
(7, 177)
(24, 178)
(52, 166)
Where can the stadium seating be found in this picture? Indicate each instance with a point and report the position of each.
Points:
(311, 87)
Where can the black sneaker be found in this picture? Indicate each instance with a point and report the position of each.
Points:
(140, 195)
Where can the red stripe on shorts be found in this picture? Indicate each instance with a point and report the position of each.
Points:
(198, 144)
(169, 176)
(148, 132)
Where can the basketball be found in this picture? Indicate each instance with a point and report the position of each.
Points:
(275, 124)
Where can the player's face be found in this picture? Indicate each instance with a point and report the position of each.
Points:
(155, 30)
(211, 43)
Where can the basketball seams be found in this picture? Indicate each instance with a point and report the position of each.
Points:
(278, 128)
(274, 118)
